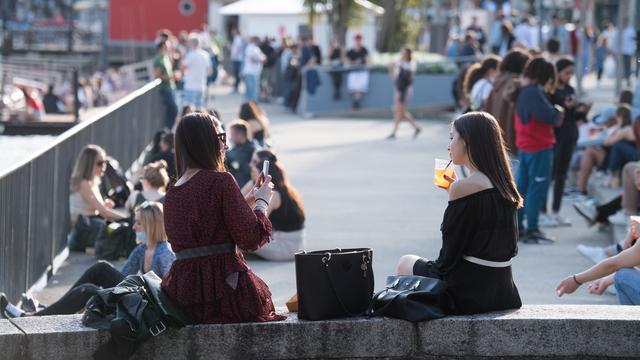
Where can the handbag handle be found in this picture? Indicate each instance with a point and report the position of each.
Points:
(325, 261)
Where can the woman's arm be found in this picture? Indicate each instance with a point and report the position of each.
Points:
(627, 258)
(134, 261)
(249, 229)
(275, 203)
(614, 136)
(97, 203)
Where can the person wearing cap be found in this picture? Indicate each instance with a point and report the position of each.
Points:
(358, 78)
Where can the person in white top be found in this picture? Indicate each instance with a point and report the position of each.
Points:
(196, 66)
(525, 34)
(403, 74)
(628, 46)
(237, 56)
(478, 81)
(252, 68)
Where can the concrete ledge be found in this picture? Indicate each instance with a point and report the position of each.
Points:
(12, 341)
(535, 331)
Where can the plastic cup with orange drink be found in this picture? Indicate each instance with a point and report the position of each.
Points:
(442, 168)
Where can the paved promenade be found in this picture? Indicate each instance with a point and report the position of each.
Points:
(361, 190)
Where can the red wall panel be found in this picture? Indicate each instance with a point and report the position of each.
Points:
(139, 20)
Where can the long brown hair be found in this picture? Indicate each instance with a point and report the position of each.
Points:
(251, 111)
(85, 166)
(478, 70)
(197, 144)
(487, 152)
(280, 180)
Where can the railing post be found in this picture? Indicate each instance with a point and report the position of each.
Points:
(76, 99)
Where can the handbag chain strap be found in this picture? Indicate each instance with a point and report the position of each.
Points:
(366, 258)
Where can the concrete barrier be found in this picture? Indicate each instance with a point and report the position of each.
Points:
(534, 332)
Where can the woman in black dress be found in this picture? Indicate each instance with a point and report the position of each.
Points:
(480, 227)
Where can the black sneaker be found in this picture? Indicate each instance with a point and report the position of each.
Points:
(7, 309)
(536, 237)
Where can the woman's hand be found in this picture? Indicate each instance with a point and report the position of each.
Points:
(601, 285)
(567, 286)
(264, 190)
(451, 179)
(109, 203)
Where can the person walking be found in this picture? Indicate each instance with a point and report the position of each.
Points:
(163, 70)
(402, 74)
(252, 68)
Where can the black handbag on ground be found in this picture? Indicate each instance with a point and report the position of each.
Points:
(133, 311)
(116, 240)
(411, 297)
(334, 283)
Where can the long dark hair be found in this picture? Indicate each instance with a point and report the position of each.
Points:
(280, 181)
(251, 111)
(478, 70)
(540, 71)
(487, 152)
(197, 144)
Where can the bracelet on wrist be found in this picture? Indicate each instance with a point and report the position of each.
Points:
(576, 280)
(263, 200)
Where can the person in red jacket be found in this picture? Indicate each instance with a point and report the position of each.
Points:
(535, 120)
(208, 222)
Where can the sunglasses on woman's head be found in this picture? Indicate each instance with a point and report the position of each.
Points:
(145, 205)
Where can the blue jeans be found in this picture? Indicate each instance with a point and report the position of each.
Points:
(627, 283)
(534, 177)
(621, 153)
(171, 109)
(251, 87)
(237, 66)
(193, 97)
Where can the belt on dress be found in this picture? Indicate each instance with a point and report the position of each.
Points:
(494, 264)
(205, 251)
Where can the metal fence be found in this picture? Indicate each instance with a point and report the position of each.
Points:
(34, 195)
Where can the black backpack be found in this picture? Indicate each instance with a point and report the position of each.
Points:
(116, 240)
(114, 184)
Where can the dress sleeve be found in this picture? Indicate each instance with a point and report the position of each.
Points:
(458, 228)
(134, 261)
(249, 229)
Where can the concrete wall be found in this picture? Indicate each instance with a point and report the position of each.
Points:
(429, 91)
(533, 332)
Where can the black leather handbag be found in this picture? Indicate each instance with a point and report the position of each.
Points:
(413, 298)
(334, 283)
(133, 311)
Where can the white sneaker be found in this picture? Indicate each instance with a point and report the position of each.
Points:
(561, 220)
(619, 218)
(593, 253)
(547, 220)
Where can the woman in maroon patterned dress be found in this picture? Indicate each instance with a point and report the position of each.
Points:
(207, 221)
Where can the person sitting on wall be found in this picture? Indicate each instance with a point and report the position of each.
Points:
(87, 208)
(153, 253)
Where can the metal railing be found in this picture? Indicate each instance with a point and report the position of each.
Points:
(34, 194)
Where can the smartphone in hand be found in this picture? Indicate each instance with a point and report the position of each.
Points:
(265, 168)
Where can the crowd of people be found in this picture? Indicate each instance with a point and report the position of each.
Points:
(256, 214)
(202, 200)
(556, 39)
(557, 147)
